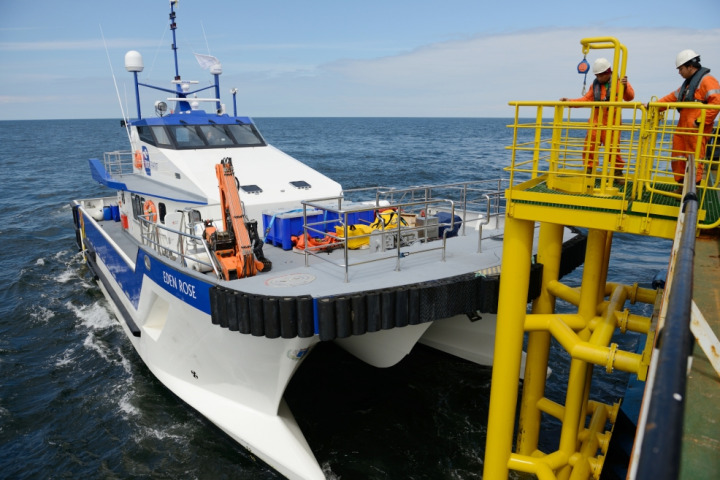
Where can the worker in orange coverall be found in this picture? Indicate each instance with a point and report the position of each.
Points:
(699, 86)
(600, 92)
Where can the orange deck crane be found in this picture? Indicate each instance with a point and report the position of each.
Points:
(238, 249)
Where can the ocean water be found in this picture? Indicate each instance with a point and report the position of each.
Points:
(76, 401)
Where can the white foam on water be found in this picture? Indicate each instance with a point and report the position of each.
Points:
(66, 276)
(125, 362)
(144, 433)
(66, 358)
(94, 316)
(162, 435)
(40, 262)
(39, 312)
(91, 343)
(126, 405)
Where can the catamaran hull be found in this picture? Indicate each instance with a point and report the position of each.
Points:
(186, 328)
(235, 380)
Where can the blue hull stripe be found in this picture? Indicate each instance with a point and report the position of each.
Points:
(187, 288)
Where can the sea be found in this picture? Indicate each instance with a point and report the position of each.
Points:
(77, 402)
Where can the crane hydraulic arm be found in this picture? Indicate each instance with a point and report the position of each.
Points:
(236, 254)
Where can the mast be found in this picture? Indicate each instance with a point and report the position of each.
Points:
(173, 26)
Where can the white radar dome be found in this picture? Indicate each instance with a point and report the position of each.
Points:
(216, 69)
(133, 61)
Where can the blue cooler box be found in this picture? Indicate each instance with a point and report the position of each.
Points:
(283, 226)
(355, 218)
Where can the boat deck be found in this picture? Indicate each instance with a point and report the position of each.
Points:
(701, 438)
(369, 270)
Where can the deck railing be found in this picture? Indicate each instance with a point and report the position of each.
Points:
(151, 233)
(475, 203)
(118, 162)
(623, 165)
(604, 176)
(658, 442)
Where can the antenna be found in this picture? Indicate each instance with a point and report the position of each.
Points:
(173, 26)
(207, 45)
(117, 92)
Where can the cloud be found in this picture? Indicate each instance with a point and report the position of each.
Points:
(468, 77)
(22, 100)
(76, 45)
(478, 76)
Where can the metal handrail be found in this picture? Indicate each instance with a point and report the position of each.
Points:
(556, 152)
(662, 432)
(411, 198)
(119, 162)
(150, 236)
(344, 240)
(488, 200)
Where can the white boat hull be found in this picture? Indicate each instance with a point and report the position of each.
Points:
(237, 380)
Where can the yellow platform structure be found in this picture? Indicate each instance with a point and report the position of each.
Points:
(628, 187)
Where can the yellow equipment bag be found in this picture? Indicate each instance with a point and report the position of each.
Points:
(390, 218)
(354, 231)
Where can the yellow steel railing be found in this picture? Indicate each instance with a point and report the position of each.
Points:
(571, 167)
(561, 155)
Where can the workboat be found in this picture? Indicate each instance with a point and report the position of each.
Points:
(226, 261)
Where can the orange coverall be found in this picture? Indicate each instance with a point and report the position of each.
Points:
(596, 137)
(708, 91)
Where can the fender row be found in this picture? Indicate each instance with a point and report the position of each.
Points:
(373, 310)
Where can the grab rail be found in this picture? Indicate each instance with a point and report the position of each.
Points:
(401, 235)
(150, 235)
(405, 201)
(118, 162)
(483, 199)
(661, 431)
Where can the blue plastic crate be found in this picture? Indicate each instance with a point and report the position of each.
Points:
(354, 218)
(283, 226)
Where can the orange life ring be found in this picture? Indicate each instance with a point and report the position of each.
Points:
(149, 209)
(138, 159)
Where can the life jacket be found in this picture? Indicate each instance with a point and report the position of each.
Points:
(301, 242)
(686, 92)
(597, 91)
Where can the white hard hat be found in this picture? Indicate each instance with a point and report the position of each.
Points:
(684, 57)
(601, 65)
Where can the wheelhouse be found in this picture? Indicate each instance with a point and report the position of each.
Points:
(221, 132)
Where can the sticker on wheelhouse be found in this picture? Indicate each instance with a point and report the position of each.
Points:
(146, 160)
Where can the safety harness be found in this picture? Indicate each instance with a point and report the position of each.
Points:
(597, 91)
(686, 92)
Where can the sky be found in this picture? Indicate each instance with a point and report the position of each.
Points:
(335, 58)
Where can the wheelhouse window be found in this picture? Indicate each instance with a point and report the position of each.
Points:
(216, 135)
(187, 136)
(154, 135)
(246, 135)
(213, 135)
(145, 134)
(161, 135)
